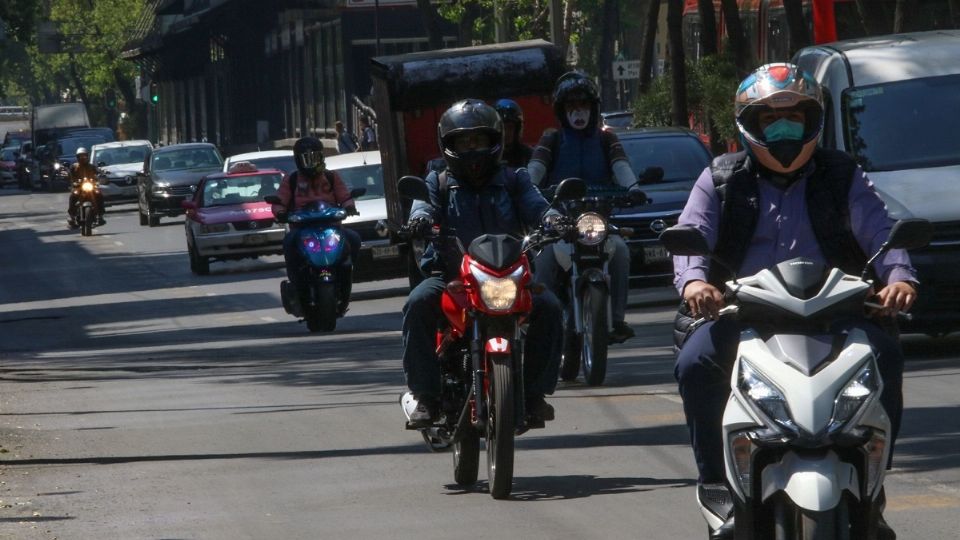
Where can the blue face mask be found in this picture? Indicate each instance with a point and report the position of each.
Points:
(783, 130)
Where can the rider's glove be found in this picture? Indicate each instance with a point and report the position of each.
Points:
(420, 225)
(352, 210)
(638, 196)
(555, 222)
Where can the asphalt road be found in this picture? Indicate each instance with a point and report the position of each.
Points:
(138, 401)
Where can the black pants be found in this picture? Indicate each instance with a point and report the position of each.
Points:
(703, 372)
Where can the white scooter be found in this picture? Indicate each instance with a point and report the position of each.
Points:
(805, 435)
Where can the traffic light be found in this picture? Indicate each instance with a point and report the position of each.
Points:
(154, 93)
(111, 99)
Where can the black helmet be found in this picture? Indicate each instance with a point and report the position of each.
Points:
(510, 111)
(575, 85)
(308, 154)
(471, 116)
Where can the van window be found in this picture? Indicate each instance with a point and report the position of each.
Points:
(903, 125)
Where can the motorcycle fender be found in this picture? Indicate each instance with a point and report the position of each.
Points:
(812, 483)
(591, 275)
(562, 251)
(498, 345)
(87, 204)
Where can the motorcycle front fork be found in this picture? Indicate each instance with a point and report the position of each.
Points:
(478, 404)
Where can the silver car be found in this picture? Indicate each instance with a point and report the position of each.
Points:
(117, 166)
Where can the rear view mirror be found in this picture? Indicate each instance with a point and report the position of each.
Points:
(910, 234)
(413, 187)
(651, 175)
(570, 189)
(272, 199)
(356, 193)
(684, 240)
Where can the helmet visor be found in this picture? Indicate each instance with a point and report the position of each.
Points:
(754, 118)
(311, 159)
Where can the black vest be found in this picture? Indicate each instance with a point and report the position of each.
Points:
(827, 195)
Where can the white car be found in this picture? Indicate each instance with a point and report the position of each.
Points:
(282, 160)
(118, 164)
(379, 259)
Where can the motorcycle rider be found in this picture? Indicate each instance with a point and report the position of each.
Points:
(580, 149)
(475, 195)
(515, 153)
(78, 171)
(312, 182)
(781, 198)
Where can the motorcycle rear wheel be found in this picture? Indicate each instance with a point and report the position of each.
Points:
(466, 457)
(500, 426)
(323, 316)
(593, 314)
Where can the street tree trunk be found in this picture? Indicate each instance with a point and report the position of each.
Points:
(77, 81)
(608, 87)
(743, 54)
(649, 40)
(873, 17)
(901, 17)
(678, 71)
(708, 28)
(955, 12)
(431, 23)
(799, 35)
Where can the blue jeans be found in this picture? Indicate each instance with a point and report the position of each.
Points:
(703, 371)
(422, 316)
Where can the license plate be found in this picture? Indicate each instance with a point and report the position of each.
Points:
(652, 254)
(254, 239)
(385, 252)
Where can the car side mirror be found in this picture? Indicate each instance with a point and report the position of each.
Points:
(356, 193)
(102, 164)
(188, 205)
(684, 240)
(273, 199)
(413, 187)
(570, 189)
(651, 175)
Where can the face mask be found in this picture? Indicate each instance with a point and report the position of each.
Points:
(783, 130)
(578, 118)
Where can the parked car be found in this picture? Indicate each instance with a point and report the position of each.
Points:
(668, 162)
(227, 217)
(379, 259)
(57, 158)
(281, 160)
(170, 175)
(118, 164)
(892, 102)
(8, 165)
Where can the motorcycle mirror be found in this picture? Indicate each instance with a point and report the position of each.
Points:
(684, 240)
(651, 175)
(413, 187)
(569, 189)
(356, 193)
(272, 199)
(905, 234)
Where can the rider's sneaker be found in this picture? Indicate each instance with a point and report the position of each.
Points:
(424, 414)
(884, 532)
(101, 222)
(72, 223)
(538, 408)
(621, 332)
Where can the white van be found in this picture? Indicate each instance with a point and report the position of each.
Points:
(893, 103)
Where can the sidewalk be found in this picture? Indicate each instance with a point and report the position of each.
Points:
(372, 290)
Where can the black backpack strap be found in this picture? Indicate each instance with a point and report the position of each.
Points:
(333, 189)
(292, 179)
(443, 190)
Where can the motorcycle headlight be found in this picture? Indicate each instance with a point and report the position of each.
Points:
(86, 186)
(498, 294)
(56, 166)
(592, 228)
(766, 397)
(854, 395)
(214, 228)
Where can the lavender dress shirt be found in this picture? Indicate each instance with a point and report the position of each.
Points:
(784, 231)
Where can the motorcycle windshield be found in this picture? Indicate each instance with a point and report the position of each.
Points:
(318, 211)
(321, 247)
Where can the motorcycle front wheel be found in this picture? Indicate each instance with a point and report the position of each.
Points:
(86, 221)
(500, 426)
(322, 317)
(593, 315)
(793, 523)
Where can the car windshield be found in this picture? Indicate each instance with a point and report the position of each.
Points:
(364, 176)
(7, 155)
(240, 189)
(68, 147)
(121, 155)
(187, 158)
(281, 163)
(905, 124)
(682, 158)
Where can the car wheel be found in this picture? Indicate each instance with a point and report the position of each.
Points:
(198, 265)
(152, 218)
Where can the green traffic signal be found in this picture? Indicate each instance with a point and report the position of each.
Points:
(154, 93)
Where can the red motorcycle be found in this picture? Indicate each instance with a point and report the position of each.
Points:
(480, 348)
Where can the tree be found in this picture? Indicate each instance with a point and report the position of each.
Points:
(609, 33)
(431, 23)
(799, 36)
(677, 64)
(738, 38)
(708, 27)
(901, 15)
(649, 40)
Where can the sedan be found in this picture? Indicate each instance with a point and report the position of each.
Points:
(118, 164)
(170, 176)
(227, 217)
(8, 165)
(668, 162)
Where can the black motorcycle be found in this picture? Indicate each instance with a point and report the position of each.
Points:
(86, 210)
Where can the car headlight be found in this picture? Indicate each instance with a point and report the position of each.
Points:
(854, 395)
(765, 396)
(214, 228)
(498, 294)
(592, 228)
(159, 189)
